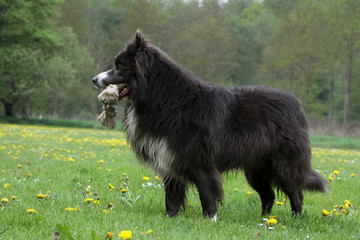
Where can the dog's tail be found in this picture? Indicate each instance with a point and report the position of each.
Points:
(316, 183)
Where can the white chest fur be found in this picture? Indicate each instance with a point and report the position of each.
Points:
(154, 152)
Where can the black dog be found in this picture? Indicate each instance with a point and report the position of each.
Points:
(189, 131)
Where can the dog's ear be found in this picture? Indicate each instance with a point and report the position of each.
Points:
(139, 42)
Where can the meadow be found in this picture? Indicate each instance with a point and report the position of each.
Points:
(70, 183)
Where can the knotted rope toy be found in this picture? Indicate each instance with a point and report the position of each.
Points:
(109, 96)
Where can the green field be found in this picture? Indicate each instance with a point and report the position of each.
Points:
(56, 171)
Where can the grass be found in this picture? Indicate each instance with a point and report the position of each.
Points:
(70, 165)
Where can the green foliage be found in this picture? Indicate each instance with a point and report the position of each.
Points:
(306, 47)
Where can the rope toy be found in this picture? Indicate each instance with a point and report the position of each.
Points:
(108, 97)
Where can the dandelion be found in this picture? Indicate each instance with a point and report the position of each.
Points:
(249, 192)
(336, 172)
(271, 222)
(41, 196)
(150, 231)
(353, 175)
(124, 174)
(343, 211)
(109, 235)
(146, 178)
(125, 234)
(279, 203)
(71, 159)
(107, 211)
(70, 209)
(157, 178)
(325, 213)
(19, 166)
(89, 200)
(236, 189)
(97, 201)
(6, 185)
(4, 200)
(31, 210)
(88, 191)
(347, 203)
(331, 179)
(29, 175)
(111, 186)
(123, 190)
(13, 197)
(110, 205)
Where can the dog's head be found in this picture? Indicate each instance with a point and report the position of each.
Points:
(129, 70)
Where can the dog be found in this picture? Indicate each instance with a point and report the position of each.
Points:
(190, 132)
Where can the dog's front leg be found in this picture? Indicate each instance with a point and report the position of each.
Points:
(209, 185)
(175, 194)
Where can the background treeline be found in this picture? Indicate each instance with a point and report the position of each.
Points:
(50, 49)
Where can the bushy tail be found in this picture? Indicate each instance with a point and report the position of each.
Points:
(315, 182)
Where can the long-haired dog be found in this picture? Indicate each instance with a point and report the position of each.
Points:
(190, 132)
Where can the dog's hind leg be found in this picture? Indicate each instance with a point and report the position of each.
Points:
(175, 194)
(262, 185)
(209, 185)
(296, 197)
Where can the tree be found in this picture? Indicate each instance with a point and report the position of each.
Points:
(26, 29)
(348, 12)
(295, 50)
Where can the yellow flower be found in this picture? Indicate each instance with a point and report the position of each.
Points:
(271, 221)
(6, 185)
(41, 196)
(344, 211)
(347, 203)
(71, 159)
(4, 200)
(96, 201)
(88, 200)
(336, 172)
(123, 190)
(29, 175)
(13, 197)
(236, 189)
(109, 235)
(110, 205)
(279, 203)
(146, 178)
(88, 191)
(31, 210)
(157, 178)
(150, 231)
(325, 213)
(125, 234)
(249, 192)
(331, 179)
(353, 175)
(70, 209)
(19, 166)
(124, 174)
(111, 186)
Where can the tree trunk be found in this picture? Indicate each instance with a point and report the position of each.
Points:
(348, 86)
(9, 108)
(331, 94)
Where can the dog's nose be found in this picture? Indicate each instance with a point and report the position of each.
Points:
(95, 79)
